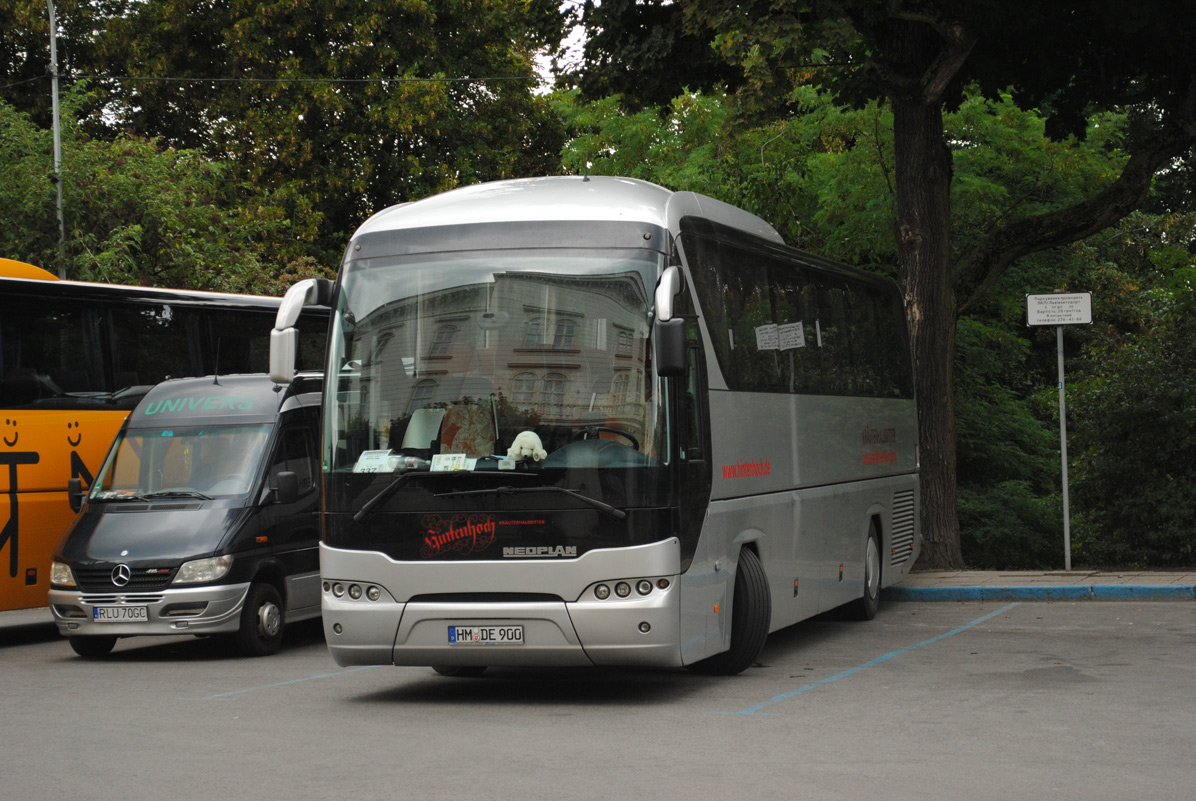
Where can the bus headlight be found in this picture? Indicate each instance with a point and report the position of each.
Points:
(61, 574)
(199, 570)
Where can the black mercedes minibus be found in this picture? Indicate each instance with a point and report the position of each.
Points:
(202, 520)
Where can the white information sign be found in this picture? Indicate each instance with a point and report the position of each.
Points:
(373, 462)
(766, 336)
(791, 335)
(1059, 308)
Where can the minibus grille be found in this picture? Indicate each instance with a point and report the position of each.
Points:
(104, 579)
(903, 527)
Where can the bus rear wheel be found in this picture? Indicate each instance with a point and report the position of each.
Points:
(262, 620)
(92, 647)
(751, 612)
(864, 607)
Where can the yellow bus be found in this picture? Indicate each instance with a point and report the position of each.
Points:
(74, 360)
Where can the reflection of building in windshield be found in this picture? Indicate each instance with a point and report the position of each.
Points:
(549, 349)
(212, 460)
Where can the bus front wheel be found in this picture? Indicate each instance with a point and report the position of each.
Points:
(751, 611)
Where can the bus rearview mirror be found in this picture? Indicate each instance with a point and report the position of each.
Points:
(670, 347)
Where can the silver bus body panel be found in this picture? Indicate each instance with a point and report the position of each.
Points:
(801, 482)
(794, 441)
(579, 629)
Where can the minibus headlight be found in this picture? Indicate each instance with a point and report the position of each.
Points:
(200, 570)
(61, 574)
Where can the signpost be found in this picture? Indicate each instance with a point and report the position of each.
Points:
(1060, 309)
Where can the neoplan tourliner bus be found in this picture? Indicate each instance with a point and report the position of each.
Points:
(589, 421)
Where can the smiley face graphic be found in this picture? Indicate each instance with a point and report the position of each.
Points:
(15, 435)
(76, 438)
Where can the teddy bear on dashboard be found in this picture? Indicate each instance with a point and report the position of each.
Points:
(527, 445)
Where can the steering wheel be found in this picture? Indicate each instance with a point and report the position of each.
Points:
(584, 433)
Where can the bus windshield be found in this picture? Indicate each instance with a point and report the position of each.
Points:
(199, 462)
(454, 362)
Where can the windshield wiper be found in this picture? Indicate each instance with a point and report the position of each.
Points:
(367, 509)
(601, 506)
(175, 493)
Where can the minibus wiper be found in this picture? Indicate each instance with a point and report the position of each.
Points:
(175, 493)
(601, 506)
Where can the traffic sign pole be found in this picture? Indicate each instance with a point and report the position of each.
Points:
(1063, 451)
(1060, 309)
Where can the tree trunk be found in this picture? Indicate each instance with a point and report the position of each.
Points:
(923, 183)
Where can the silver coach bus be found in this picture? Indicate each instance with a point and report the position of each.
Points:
(590, 421)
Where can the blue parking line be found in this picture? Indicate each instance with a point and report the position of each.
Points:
(231, 693)
(852, 671)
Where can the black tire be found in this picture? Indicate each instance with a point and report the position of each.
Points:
(262, 620)
(864, 607)
(751, 611)
(460, 671)
(92, 647)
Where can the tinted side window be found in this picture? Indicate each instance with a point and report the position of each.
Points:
(295, 453)
(779, 324)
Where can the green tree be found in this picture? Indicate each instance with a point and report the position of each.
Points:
(1067, 58)
(1133, 407)
(137, 213)
(340, 107)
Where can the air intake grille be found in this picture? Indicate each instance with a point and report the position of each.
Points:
(99, 579)
(903, 527)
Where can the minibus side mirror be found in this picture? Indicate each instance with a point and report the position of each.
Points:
(288, 487)
(75, 493)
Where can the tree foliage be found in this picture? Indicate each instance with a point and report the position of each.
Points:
(138, 213)
(1068, 59)
(337, 108)
(823, 178)
(1133, 409)
(341, 107)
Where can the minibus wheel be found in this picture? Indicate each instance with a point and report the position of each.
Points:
(262, 620)
(751, 612)
(92, 647)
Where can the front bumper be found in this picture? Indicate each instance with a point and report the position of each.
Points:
(192, 610)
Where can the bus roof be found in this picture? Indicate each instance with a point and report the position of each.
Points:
(562, 199)
(10, 268)
(34, 285)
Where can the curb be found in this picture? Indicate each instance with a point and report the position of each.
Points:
(1095, 592)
